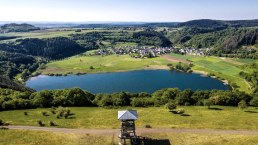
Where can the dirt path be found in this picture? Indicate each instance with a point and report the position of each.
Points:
(139, 131)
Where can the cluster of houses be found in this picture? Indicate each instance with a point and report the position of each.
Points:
(194, 51)
(136, 51)
(144, 51)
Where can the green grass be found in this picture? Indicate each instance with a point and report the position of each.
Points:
(100, 118)
(246, 61)
(225, 68)
(110, 63)
(157, 117)
(19, 137)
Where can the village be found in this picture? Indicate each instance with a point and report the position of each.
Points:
(150, 52)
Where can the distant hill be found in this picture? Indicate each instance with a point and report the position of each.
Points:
(13, 27)
(242, 23)
(203, 23)
(112, 25)
(207, 23)
(9, 84)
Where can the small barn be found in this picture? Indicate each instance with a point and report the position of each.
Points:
(127, 130)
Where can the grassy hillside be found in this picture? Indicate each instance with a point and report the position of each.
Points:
(100, 118)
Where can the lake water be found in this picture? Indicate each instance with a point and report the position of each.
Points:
(133, 81)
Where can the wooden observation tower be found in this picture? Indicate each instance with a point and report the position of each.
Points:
(127, 131)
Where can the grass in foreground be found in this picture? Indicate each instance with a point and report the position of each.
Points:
(14, 137)
(158, 117)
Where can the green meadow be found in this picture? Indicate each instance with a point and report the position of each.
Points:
(19, 137)
(111, 63)
(196, 117)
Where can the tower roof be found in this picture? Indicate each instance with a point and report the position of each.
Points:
(127, 115)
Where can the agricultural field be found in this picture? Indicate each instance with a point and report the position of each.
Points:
(196, 117)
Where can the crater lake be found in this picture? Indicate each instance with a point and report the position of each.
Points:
(133, 81)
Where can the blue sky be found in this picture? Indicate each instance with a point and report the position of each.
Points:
(126, 10)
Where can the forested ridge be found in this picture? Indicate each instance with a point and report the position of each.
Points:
(25, 56)
(224, 38)
(7, 83)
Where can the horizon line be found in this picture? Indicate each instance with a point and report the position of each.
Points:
(110, 22)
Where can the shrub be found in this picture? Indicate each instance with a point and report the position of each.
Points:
(63, 112)
(66, 115)
(40, 123)
(207, 103)
(169, 64)
(242, 105)
(254, 102)
(147, 126)
(51, 123)
(180, 111)
(44, 113)
(171, 106)
(1, 122)
(68, 111)
(3, 128)
(53, 111)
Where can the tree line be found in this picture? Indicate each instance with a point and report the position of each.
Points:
(10, 99)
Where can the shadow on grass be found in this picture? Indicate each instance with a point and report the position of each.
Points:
(149, 141)
(215, 108)
(186, 115)
(251, 111)
(71, 117)
(71, 114)
(175, 112)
